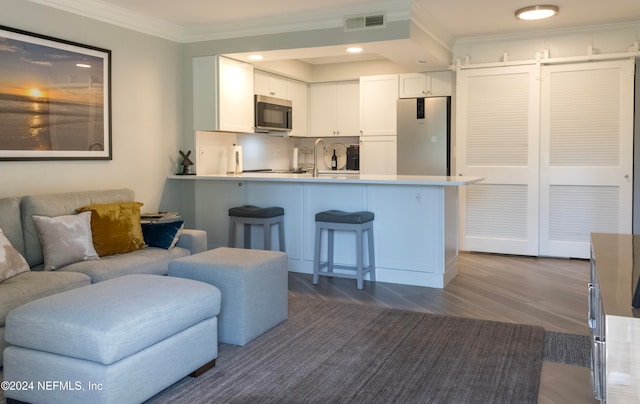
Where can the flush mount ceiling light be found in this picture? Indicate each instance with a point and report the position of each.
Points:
(536, 12)
(354, 50)
(256, 57)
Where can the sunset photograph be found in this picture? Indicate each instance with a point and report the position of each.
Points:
(52, 98)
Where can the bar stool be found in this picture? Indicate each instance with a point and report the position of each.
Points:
(252, 215)
(359, 222)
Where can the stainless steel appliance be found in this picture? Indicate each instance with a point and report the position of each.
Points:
(272, 114)
(353, 157)
(423, 140)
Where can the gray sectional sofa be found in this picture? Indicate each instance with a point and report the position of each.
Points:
(18, 226)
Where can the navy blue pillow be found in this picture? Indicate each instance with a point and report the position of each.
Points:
(164, 234)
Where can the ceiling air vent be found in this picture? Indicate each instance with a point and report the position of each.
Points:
(359, 22)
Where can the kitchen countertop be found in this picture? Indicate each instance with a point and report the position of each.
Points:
(341, 177)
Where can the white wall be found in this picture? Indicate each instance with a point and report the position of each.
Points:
(146, 111)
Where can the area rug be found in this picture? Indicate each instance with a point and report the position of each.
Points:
(330, 352)
(570, 349)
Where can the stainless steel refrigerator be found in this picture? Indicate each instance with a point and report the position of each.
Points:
(424, 136)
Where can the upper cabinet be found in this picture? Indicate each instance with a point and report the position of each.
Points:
(378, 98)
(432, 84)
(223, 92)
(271, 85)
(295, 91)
(334, 109)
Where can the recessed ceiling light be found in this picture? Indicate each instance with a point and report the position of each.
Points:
(256, 57)
(536, 12)
(354, 50)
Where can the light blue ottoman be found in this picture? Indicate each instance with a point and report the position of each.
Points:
(254, 287)
(117, 341)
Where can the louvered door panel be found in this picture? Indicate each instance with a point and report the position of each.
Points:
(497, 138)
(586, 154)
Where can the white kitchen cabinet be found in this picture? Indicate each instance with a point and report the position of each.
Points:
(432, 84)
(334, 109)
(222, 94)
(378, 155)
(287, 195)
(416, 227)
(271, 85)
(297, 93)
(378, 97)
(213, 214)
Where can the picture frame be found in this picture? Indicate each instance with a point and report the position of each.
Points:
(55, 98)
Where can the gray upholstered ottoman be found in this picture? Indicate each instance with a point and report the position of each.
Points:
(253, 284)
(117, 341)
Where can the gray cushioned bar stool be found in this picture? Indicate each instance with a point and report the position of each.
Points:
(252, 215)
(359, 222)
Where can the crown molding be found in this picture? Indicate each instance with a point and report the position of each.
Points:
(395, 10)
(431, 26)
(111, 14)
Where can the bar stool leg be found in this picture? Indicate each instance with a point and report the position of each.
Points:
(247, 236)
(232, 232)
(359, 259)
(266, 228)
(281, 234)
(330, 251)
(372, 255)
(316, 255)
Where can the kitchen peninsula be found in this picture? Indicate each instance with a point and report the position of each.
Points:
(415, 228)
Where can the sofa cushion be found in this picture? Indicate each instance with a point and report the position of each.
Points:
(162, 235)
(10, 222)
(11, 261)
(59, 204)
(32, 285)
(148, 260)
(65, 239)
(116, 227)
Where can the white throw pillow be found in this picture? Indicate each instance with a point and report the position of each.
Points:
(11, 261)
(65, 239)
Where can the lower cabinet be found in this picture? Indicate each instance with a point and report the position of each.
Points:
(415, 226)
(213, 199)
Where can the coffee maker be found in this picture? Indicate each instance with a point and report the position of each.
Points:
(353, 157)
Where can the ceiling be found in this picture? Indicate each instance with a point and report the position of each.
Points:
(443, 21)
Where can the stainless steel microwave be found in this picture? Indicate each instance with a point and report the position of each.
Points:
(273, 114)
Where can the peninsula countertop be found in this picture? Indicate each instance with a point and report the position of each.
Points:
(340, 177)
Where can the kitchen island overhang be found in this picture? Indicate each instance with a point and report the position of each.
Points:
(415, 226)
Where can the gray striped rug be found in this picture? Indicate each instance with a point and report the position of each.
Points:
(329, 352)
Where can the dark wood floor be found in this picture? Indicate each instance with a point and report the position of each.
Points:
(548, 292)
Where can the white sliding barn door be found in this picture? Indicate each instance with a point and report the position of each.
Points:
(586, 159)
(497, 129)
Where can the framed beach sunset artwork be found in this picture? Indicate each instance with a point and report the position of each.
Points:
(55, 98)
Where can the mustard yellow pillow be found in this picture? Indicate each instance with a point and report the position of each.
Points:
(115, 227)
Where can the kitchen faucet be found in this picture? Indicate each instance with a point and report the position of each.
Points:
(315, 156)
